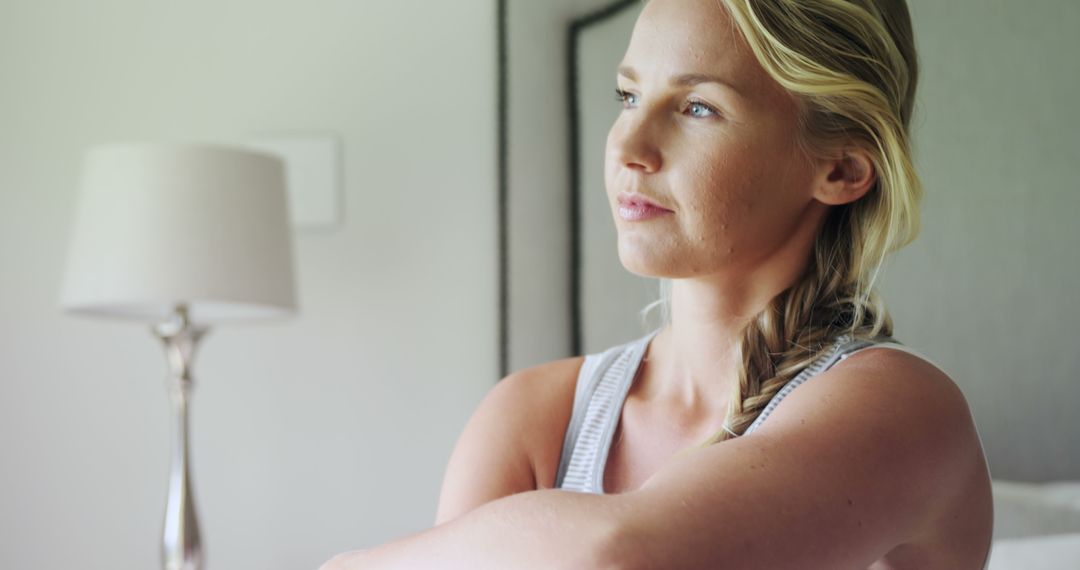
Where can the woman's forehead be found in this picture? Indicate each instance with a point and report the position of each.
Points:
(678, 37)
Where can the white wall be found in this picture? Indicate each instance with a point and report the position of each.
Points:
(989, 288)
(313, 436)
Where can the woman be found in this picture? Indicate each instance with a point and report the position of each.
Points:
(761, 164)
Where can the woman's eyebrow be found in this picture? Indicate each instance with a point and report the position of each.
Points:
(684, 79)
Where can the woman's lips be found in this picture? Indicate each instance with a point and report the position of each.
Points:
(636, 208)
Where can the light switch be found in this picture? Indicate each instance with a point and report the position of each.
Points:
(312, 174)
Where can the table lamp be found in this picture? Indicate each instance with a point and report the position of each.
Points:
(181, 236)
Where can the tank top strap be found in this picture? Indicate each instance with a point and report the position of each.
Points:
(843, 347)
(602, 385)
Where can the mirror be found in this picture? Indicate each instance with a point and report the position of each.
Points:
(610, 298)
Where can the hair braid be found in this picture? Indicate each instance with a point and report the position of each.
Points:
(799, 325)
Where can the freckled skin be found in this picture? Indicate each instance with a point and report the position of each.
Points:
(737, 183)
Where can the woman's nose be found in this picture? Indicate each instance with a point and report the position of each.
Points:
(634, 143)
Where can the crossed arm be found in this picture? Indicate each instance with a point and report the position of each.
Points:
(848, 467)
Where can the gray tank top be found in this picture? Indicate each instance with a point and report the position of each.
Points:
(602, 386)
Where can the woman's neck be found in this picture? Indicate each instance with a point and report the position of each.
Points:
(693, 363)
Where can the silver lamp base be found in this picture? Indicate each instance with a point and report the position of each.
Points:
(181, 548)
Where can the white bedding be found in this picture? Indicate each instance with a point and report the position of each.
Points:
(1036, 526)
(1051, 552)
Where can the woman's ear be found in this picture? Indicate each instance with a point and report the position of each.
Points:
(844, 179)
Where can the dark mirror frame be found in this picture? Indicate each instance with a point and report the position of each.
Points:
(573, 33)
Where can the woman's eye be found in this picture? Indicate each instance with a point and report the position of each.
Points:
(626, 98)
(700, 110)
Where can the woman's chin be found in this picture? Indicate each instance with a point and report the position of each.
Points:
(649, 264)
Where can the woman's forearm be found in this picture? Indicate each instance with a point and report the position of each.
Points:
(538, 529)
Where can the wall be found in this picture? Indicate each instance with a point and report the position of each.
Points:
(988, 288)
(311, 436)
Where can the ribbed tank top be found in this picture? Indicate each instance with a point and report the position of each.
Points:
(602, 386)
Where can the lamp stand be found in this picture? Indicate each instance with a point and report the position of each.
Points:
(181, 548)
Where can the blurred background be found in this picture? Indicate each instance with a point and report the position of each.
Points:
(330, 431)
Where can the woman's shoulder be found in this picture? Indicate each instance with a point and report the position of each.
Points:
(886, 363)
(927, 403)
(893, 392)
(537, 402)
(890, 375)
(915, 409)
(532, 392)
(508, 443)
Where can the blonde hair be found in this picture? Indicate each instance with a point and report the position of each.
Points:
(851, 66)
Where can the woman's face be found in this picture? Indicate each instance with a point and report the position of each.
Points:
(708, 136)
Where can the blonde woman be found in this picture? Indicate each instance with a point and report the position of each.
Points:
(761, 166)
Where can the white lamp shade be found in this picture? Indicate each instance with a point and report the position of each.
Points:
(159, 225)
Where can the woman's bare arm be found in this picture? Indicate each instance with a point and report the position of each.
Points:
(848, 467)
(522, 417)
(549, 529)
